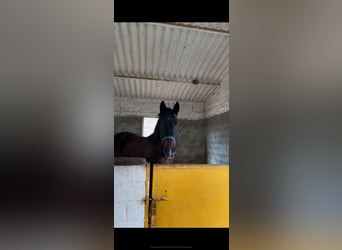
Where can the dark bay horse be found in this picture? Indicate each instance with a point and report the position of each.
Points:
(159, 147)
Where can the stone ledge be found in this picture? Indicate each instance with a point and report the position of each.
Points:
(127, 161)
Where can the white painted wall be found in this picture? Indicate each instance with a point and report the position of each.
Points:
(129, 195)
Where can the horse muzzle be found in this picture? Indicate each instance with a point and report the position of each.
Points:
(169, 152)
(169, 146)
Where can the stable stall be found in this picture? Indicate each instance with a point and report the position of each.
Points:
(174, 62)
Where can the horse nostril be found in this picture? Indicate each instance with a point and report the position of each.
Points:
(168, 152)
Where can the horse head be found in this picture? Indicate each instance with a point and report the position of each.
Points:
(167, 129)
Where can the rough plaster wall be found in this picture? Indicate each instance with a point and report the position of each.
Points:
(191, 142)
(130, 124)
(150, 108)
(217, 138)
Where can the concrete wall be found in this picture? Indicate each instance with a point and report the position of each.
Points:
(130, 124)
(191, 142)
(217, 139)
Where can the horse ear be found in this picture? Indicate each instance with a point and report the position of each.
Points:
(162, 107)
(176, 108)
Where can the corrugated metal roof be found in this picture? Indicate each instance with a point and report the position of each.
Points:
(160, 60)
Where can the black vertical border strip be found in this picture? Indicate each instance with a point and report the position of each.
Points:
(150, 196)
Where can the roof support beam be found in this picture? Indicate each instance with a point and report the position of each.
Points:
(164, 80)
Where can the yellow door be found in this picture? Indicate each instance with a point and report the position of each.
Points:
(190, 196)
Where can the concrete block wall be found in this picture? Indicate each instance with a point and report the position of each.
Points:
(217, 139)
(128, 123)
(191, 142)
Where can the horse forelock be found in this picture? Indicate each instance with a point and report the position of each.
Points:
(167, 111)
